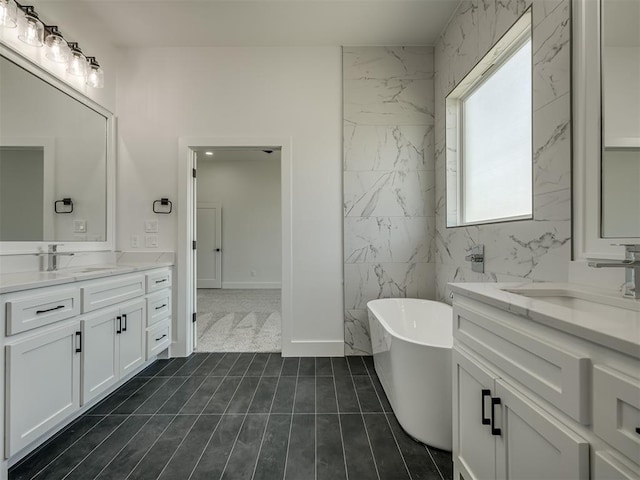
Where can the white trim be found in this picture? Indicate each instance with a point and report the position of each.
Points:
(182, 343)
(13, 248)
(252, 285)
(588, 243)
(314, 348)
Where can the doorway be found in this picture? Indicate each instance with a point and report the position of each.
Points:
(239, 249)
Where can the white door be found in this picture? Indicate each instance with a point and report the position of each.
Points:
(132, 336)
(533, 445)
(43, 383)
(474, 442)
(209, 227)
(100, 356)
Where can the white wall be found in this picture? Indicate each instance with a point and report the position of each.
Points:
(167, 93)
(247, 186)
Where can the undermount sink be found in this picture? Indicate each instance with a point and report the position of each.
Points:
(90, 269)
(579, 299)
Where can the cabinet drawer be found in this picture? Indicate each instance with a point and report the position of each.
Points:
(42, 309)
(103, 294)
(158, 337)
(158, 307)
(158, 280)
(554, 373)
(616, 406)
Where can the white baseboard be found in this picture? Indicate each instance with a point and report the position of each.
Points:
(251, 285)
(310, 348)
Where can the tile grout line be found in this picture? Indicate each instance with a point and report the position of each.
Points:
(264, 434)
(335, 391)
(434, 461)
(190, 360)
(196, 390)
(150, 447)
(123, 447)
(293, 411)
(244, 419)
(373, 455)
(386, 417)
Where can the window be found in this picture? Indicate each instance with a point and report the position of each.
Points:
(489, 141)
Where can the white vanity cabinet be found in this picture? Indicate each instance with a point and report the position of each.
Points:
(68, 345)
(532, 402)
(42, 383)
(114, 346)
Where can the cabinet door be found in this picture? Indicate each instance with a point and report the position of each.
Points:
(473, 443)
(132, 351)
(535, 445)
(100, 354)
(43, 384)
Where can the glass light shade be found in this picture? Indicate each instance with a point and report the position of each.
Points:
(95, 75)
(8, 13)
(31, 29)
(77, 63)
(57, 48)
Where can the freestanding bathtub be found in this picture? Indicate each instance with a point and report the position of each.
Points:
(412, 341)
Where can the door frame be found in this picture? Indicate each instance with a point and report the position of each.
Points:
(182, 341)
(218, 207)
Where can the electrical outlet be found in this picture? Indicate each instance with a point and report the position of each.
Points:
(79, 226)
(135, 241)
(252, 273)
(151, 241)
(151, 226)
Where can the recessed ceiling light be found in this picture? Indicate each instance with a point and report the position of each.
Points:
(209, 153)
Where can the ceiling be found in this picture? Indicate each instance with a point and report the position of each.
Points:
(201, 23)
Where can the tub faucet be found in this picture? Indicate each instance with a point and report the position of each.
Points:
(631, 263)
(52, 257)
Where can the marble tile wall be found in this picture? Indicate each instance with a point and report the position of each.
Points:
(389, 184)
(536, 250)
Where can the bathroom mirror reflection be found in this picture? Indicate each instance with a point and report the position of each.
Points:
(52, 147)
(620, 164)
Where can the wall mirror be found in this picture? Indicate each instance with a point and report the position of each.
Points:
(606, 114)
(55, 162)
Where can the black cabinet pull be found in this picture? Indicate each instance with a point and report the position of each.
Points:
(485, 393)
(494, 431)
(160, 281)
(79, 337)
(161, 306)
(124, 322)
(49, 309)
(119, 327)
(160, 338)
(638, 430)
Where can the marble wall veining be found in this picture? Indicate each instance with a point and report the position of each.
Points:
(532, 250)
(389, 184)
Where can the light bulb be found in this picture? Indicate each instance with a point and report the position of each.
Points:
(77, 61)
(8, 13)
(95, 75)
(31, 29)
(57, 48)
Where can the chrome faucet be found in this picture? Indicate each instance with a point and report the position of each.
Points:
(52, 257)
(631, 263)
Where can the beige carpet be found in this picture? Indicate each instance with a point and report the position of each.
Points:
(239, 320)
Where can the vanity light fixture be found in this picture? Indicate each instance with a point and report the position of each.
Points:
(30, 28)
(95, 75)
(58, 50)
(8, 13)
(32, 31)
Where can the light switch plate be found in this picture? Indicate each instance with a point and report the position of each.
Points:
(151, 226)
(79, 226)
(151, 241)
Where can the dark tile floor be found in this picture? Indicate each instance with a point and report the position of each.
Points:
(240, 416)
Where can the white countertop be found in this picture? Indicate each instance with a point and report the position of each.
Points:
(14, 282)
(619, 330)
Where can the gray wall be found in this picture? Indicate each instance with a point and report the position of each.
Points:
(539, 249)
(389, 216)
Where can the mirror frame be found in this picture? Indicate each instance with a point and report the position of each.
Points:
(587, 138)
(17, 248)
